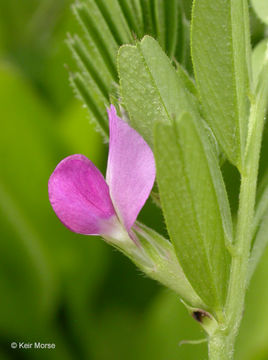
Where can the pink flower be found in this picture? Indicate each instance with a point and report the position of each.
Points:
(86, 203)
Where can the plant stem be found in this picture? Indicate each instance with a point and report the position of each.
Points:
(221, 344)
(239, 267)
(220, 347)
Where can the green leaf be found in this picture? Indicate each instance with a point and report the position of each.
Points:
(187, 81)
(115, 19)
(160, 20)
(260, 226)
(261, 9)
(92, 100)
(151, 89)
(183, 52)
(174, 26)
(195, 206)
(148, 17)
(96, 49)
(221, 57)
(97, 29)
(168, 21)
(258, 60)
(258, 112)
(262, 201)
(109, 24)
(88, 67)
(260, 243)
(133, 13)
(187, 6)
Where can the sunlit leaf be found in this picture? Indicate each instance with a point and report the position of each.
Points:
(221, 58)
(195, 206)
(151, 88)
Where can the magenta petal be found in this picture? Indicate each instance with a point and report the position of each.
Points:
(131, 169)
(80, 196)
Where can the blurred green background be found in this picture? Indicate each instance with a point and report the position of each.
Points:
(56, 286)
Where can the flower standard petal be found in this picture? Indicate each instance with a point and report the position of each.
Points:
(80, 196)
(130, 171)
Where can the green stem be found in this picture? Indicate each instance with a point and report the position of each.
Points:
(239, 267)
(221, 343)
(220, 347)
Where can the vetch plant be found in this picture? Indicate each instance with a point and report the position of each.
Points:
(87, 204)
(194, 117)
